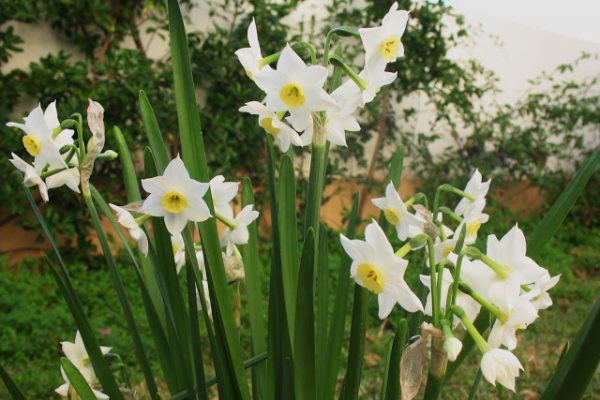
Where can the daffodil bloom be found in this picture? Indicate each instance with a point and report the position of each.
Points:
(222, 194)
(65, 389)
(176, 197)
(542, 300)
(128, 222)
(382, 44)
(519, 314)
(442, 248)
(237, 233)
(296, 88)
(32, 177)
(478, 190)
(472, 223)
(470, 306)
(499, 365)
(396, 213)
(376, 268)
(372, 80)
(251, 57)
(78, 355)
(67, 177)
(178, 251)
(43, 137)
(281, 132)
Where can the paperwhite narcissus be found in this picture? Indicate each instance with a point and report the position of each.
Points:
(376, 268)
(373, 80)
(281, 132)
(296, 88)
(478, 189)
(67, 177)
(176, 197)
(178, 251)
(470, 306)
(472, 223)
(40, 141)
(78, 355)
(519, 314)
(407, 225)
(499, 365)
(32, 177)
(382, 43)
(453, 347)
(128, 222)
(250, 57)
(334, 127)
(238, 234)
(222, 194)
(543, 300)
(64, 389)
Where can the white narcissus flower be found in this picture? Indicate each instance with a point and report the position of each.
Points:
(382, 43)
(32, 177)
(178, 251)
(478, 189)
(470, 306)
(250, 57)
(442, 248)
(200, 258)
(519, 314)
(296, 88)
(376, 268)
(176, 197)
(543, 300)
(511, 253)
(283, 134)
(128, 222)
(67, 177)
(63, 390)
(453, 347)
(407, 225)
(222, 194)
(472, 223)
(78, 355)
(40, 141)
(373, 79)
(499, 365)
(238, 234)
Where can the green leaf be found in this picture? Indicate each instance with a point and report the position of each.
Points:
(155, 139)
(391, 375)
(129, 177)
(253, 284)
(338, 321)
(83, 389)
(322, 306)
(65, 286)
(288, 237)
(578, 365)
(304, 345)
(554, 218)
(356, 350)
(11, 386)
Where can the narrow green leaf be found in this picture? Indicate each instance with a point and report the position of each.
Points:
(391, 375)
(129, 177)
(338, 321)
(155, 139)
(316, 179)
(65, 285)
(322, 306)
(194, 156)
(83, 389)
(304, 346)
(288, 238)
(253, 284)
(11, 386)
(554, 218)
(356, 349)
(577, 367)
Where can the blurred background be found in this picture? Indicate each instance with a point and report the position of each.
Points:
(508, 87)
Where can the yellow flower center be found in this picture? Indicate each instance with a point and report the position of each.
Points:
(174, 202)
(447, 250)
(292, 95)
(473, 227)
(388, 49)
(371, 277)
(175, 248)
(392, 215)
(32, 145)
(267, 124)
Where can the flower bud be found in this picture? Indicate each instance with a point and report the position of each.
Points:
(453, 347)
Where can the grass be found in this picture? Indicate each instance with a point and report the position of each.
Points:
(34, 319)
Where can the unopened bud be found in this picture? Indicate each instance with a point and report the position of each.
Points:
(453, 347)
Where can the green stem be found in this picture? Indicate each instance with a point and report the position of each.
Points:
(451, 214)
(404, 250)
(230, 224)
(435, 301)
(486, 304)
(360, 82)
(316, 180)
(477, 338)
(417, 197)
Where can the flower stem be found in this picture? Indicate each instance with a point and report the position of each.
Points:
(230, 224)
(478, 298)
(477, 338)
(435, 301)
(404, 250)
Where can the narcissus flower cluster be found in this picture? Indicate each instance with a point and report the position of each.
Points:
(462, 279)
